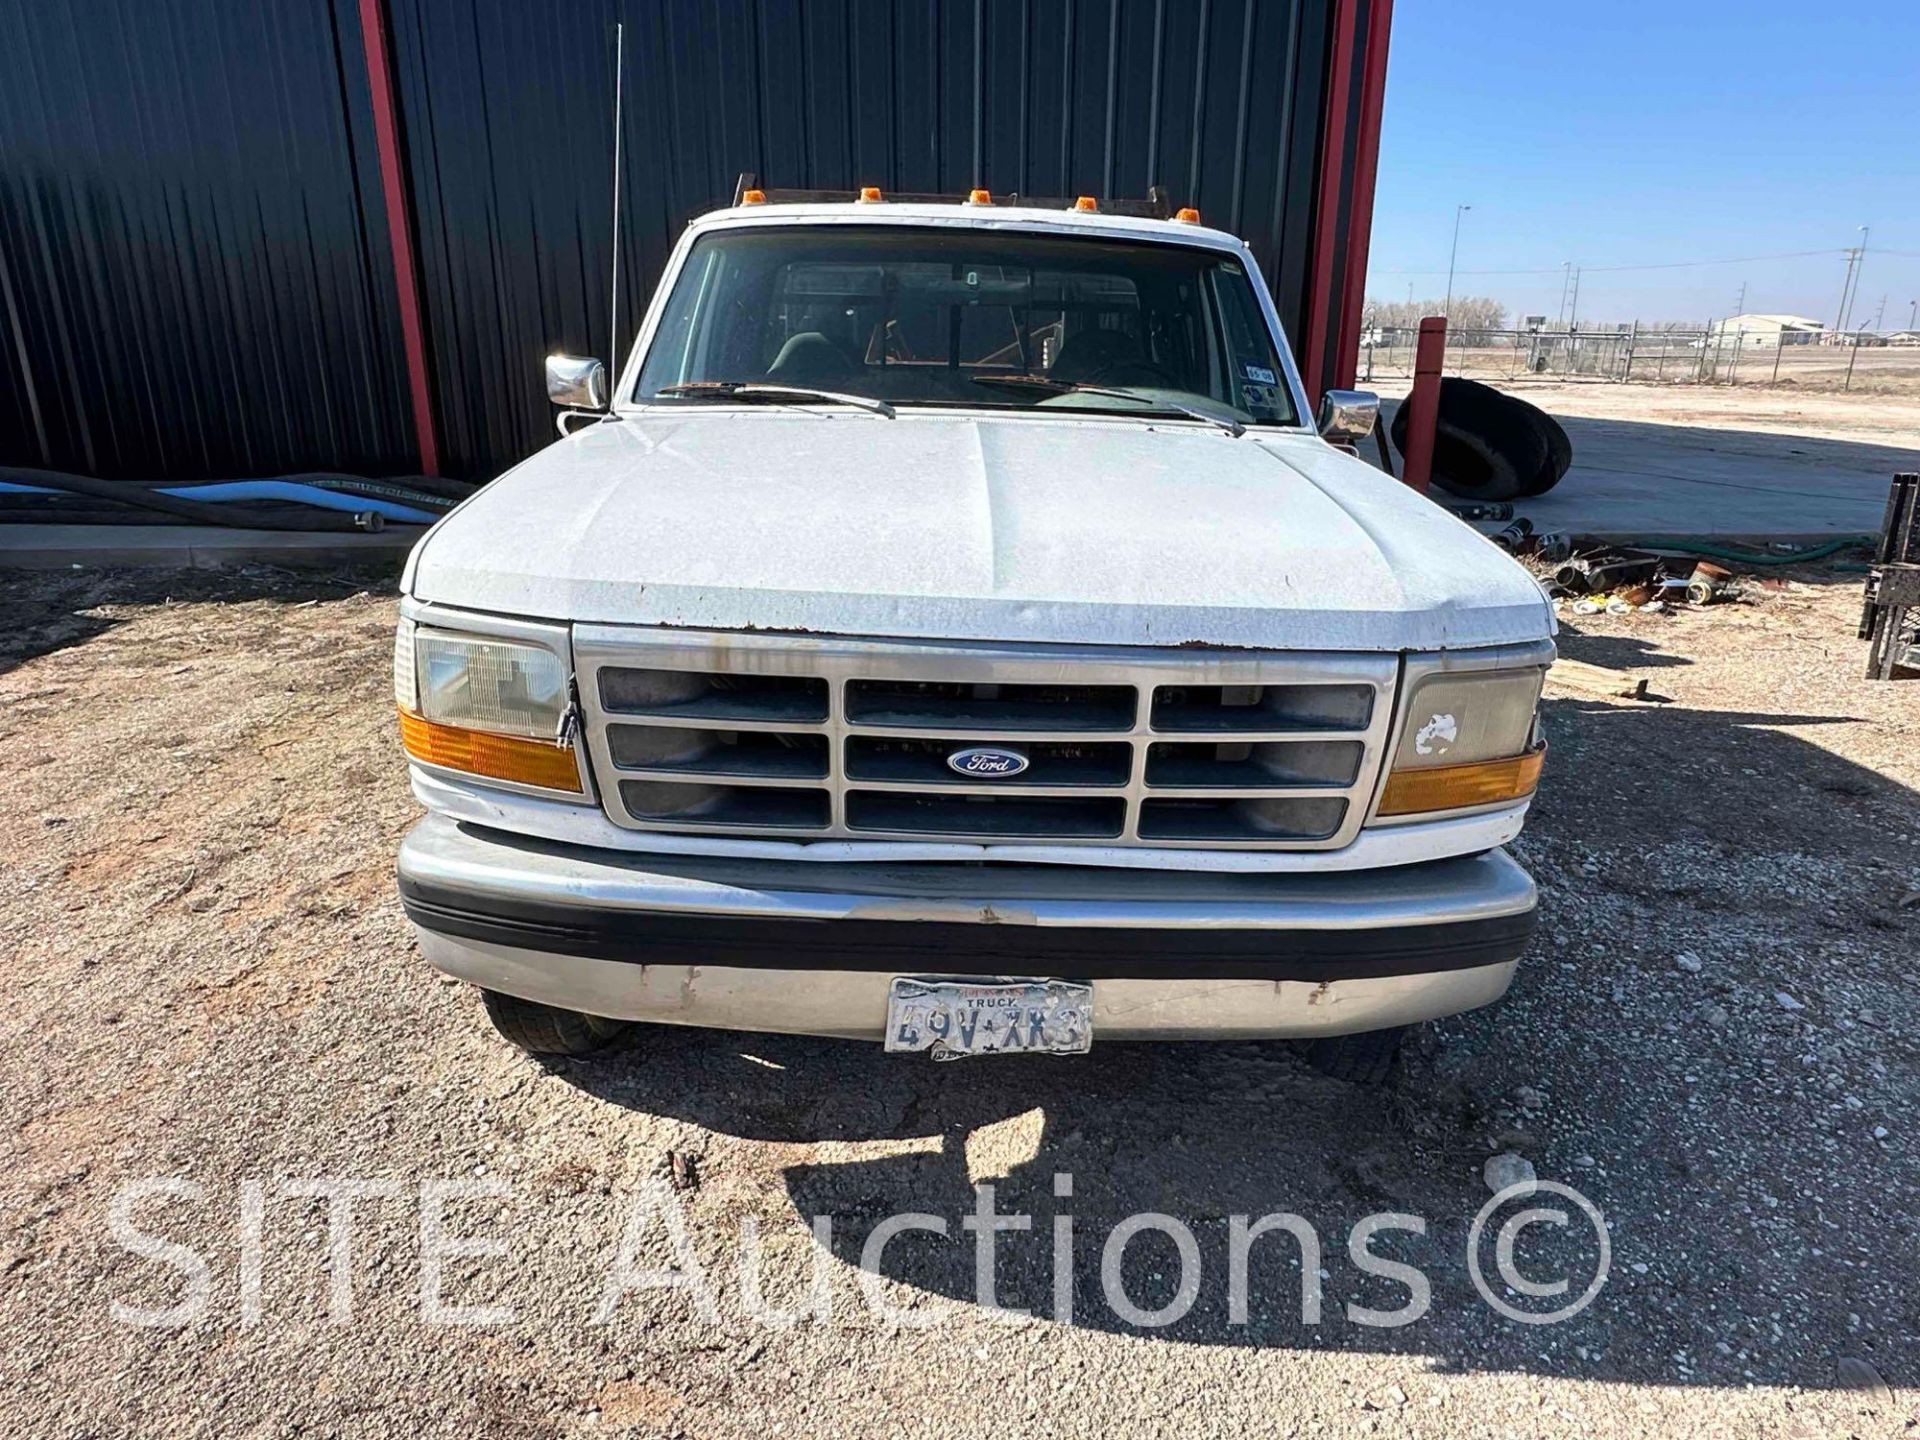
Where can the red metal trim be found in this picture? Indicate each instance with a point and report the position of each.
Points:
(1324, 291)
(373, 31)
(1366, 167)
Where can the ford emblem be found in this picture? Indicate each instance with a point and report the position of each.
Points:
(987, 762)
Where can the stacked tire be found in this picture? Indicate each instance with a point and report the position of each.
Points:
(1490, 446)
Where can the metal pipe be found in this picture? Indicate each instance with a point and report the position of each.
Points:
(1423, 404)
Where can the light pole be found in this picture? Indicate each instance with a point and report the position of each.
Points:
(1452, 255)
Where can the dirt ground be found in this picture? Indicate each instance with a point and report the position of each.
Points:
(210, 980)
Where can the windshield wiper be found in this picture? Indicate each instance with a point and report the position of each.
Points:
(1079, 387)
(750, 389)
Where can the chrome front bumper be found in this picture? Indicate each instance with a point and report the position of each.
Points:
(809, 948)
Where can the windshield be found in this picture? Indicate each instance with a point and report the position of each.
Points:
(985, 319)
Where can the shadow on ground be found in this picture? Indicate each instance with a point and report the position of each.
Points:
(1633, 477)
(50, 611)
(1726, 1167)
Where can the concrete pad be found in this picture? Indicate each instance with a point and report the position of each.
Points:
(1640, 481)
(194, 547)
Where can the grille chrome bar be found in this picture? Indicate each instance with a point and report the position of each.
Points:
(704, 733)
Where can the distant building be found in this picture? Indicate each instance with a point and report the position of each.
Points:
(1769, 331)
(1904, 337)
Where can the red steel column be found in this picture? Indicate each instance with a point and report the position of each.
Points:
(1366, 166)
(1324, 288)
(1423, 403)
(386, 130)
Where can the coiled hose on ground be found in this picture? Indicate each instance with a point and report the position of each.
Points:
(327, 501)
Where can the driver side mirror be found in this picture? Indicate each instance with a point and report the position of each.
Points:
(577, 381)
(1346, 416)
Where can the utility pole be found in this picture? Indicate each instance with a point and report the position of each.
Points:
(1913, 309)
(1566, 279)
(1881, 313)
(1740, 305)
(1856, 262)
(1573, 308)
(1452, 255)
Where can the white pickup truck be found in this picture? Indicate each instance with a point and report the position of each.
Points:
(950, 630)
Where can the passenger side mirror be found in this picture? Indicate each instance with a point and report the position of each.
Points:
(1346, 416)
(577, 381)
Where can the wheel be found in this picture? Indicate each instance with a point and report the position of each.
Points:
(1364, 1059)
(544, 1030)
(1486, 445)
(1559, 455)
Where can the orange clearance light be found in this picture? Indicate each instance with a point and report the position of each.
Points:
(1453, 787)
(1187, 215)
(1086, 202)
(498, 757)
(979, 197)
(753, 197)
(870, 195)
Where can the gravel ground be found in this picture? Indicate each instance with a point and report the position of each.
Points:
(210, 979)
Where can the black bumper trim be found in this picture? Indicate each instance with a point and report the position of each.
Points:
(661, 937)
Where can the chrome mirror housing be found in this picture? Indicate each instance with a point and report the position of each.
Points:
(577, 381)
(1346, 416)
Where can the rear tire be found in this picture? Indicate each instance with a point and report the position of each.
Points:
(1364, 1059)
(545, 1030)
(1559, 455)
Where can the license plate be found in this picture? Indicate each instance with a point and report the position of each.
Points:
(956, 1018)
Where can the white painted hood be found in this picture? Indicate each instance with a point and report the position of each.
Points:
(1054, 530)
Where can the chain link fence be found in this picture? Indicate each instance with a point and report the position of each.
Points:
(1864, 360)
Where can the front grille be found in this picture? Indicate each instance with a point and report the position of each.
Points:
(797, 737)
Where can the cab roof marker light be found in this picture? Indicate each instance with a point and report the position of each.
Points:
(1187, 215)
(979, 197)
(1087, 202)
(870, 195)
(753, 197)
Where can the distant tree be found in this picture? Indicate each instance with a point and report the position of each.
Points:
(1470, 317)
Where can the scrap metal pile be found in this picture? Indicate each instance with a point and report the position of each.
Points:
(1890, 618)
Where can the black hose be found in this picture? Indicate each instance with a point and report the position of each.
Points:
(238, 517)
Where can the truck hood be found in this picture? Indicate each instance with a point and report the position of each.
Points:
(1055, 530)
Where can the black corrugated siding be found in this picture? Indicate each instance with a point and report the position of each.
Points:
(509, 131)
(195, 276)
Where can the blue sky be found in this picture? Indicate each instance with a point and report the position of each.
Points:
(1622, 132)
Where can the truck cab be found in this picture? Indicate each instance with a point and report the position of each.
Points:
(951, 629)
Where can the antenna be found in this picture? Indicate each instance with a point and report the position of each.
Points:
(613, 300)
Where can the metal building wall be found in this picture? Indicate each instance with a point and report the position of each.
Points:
(192, 282)
(1220, 100)
(195, 269)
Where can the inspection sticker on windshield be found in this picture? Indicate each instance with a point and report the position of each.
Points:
(956, 1018)
(1260, 374)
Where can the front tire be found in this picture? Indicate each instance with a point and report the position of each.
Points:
(1364, 1059)
(544, 1029)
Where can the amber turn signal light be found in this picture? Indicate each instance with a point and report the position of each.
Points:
(498, 757)
(1454, 787)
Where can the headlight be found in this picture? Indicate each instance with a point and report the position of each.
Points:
(489, 706)
(1466, 739)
